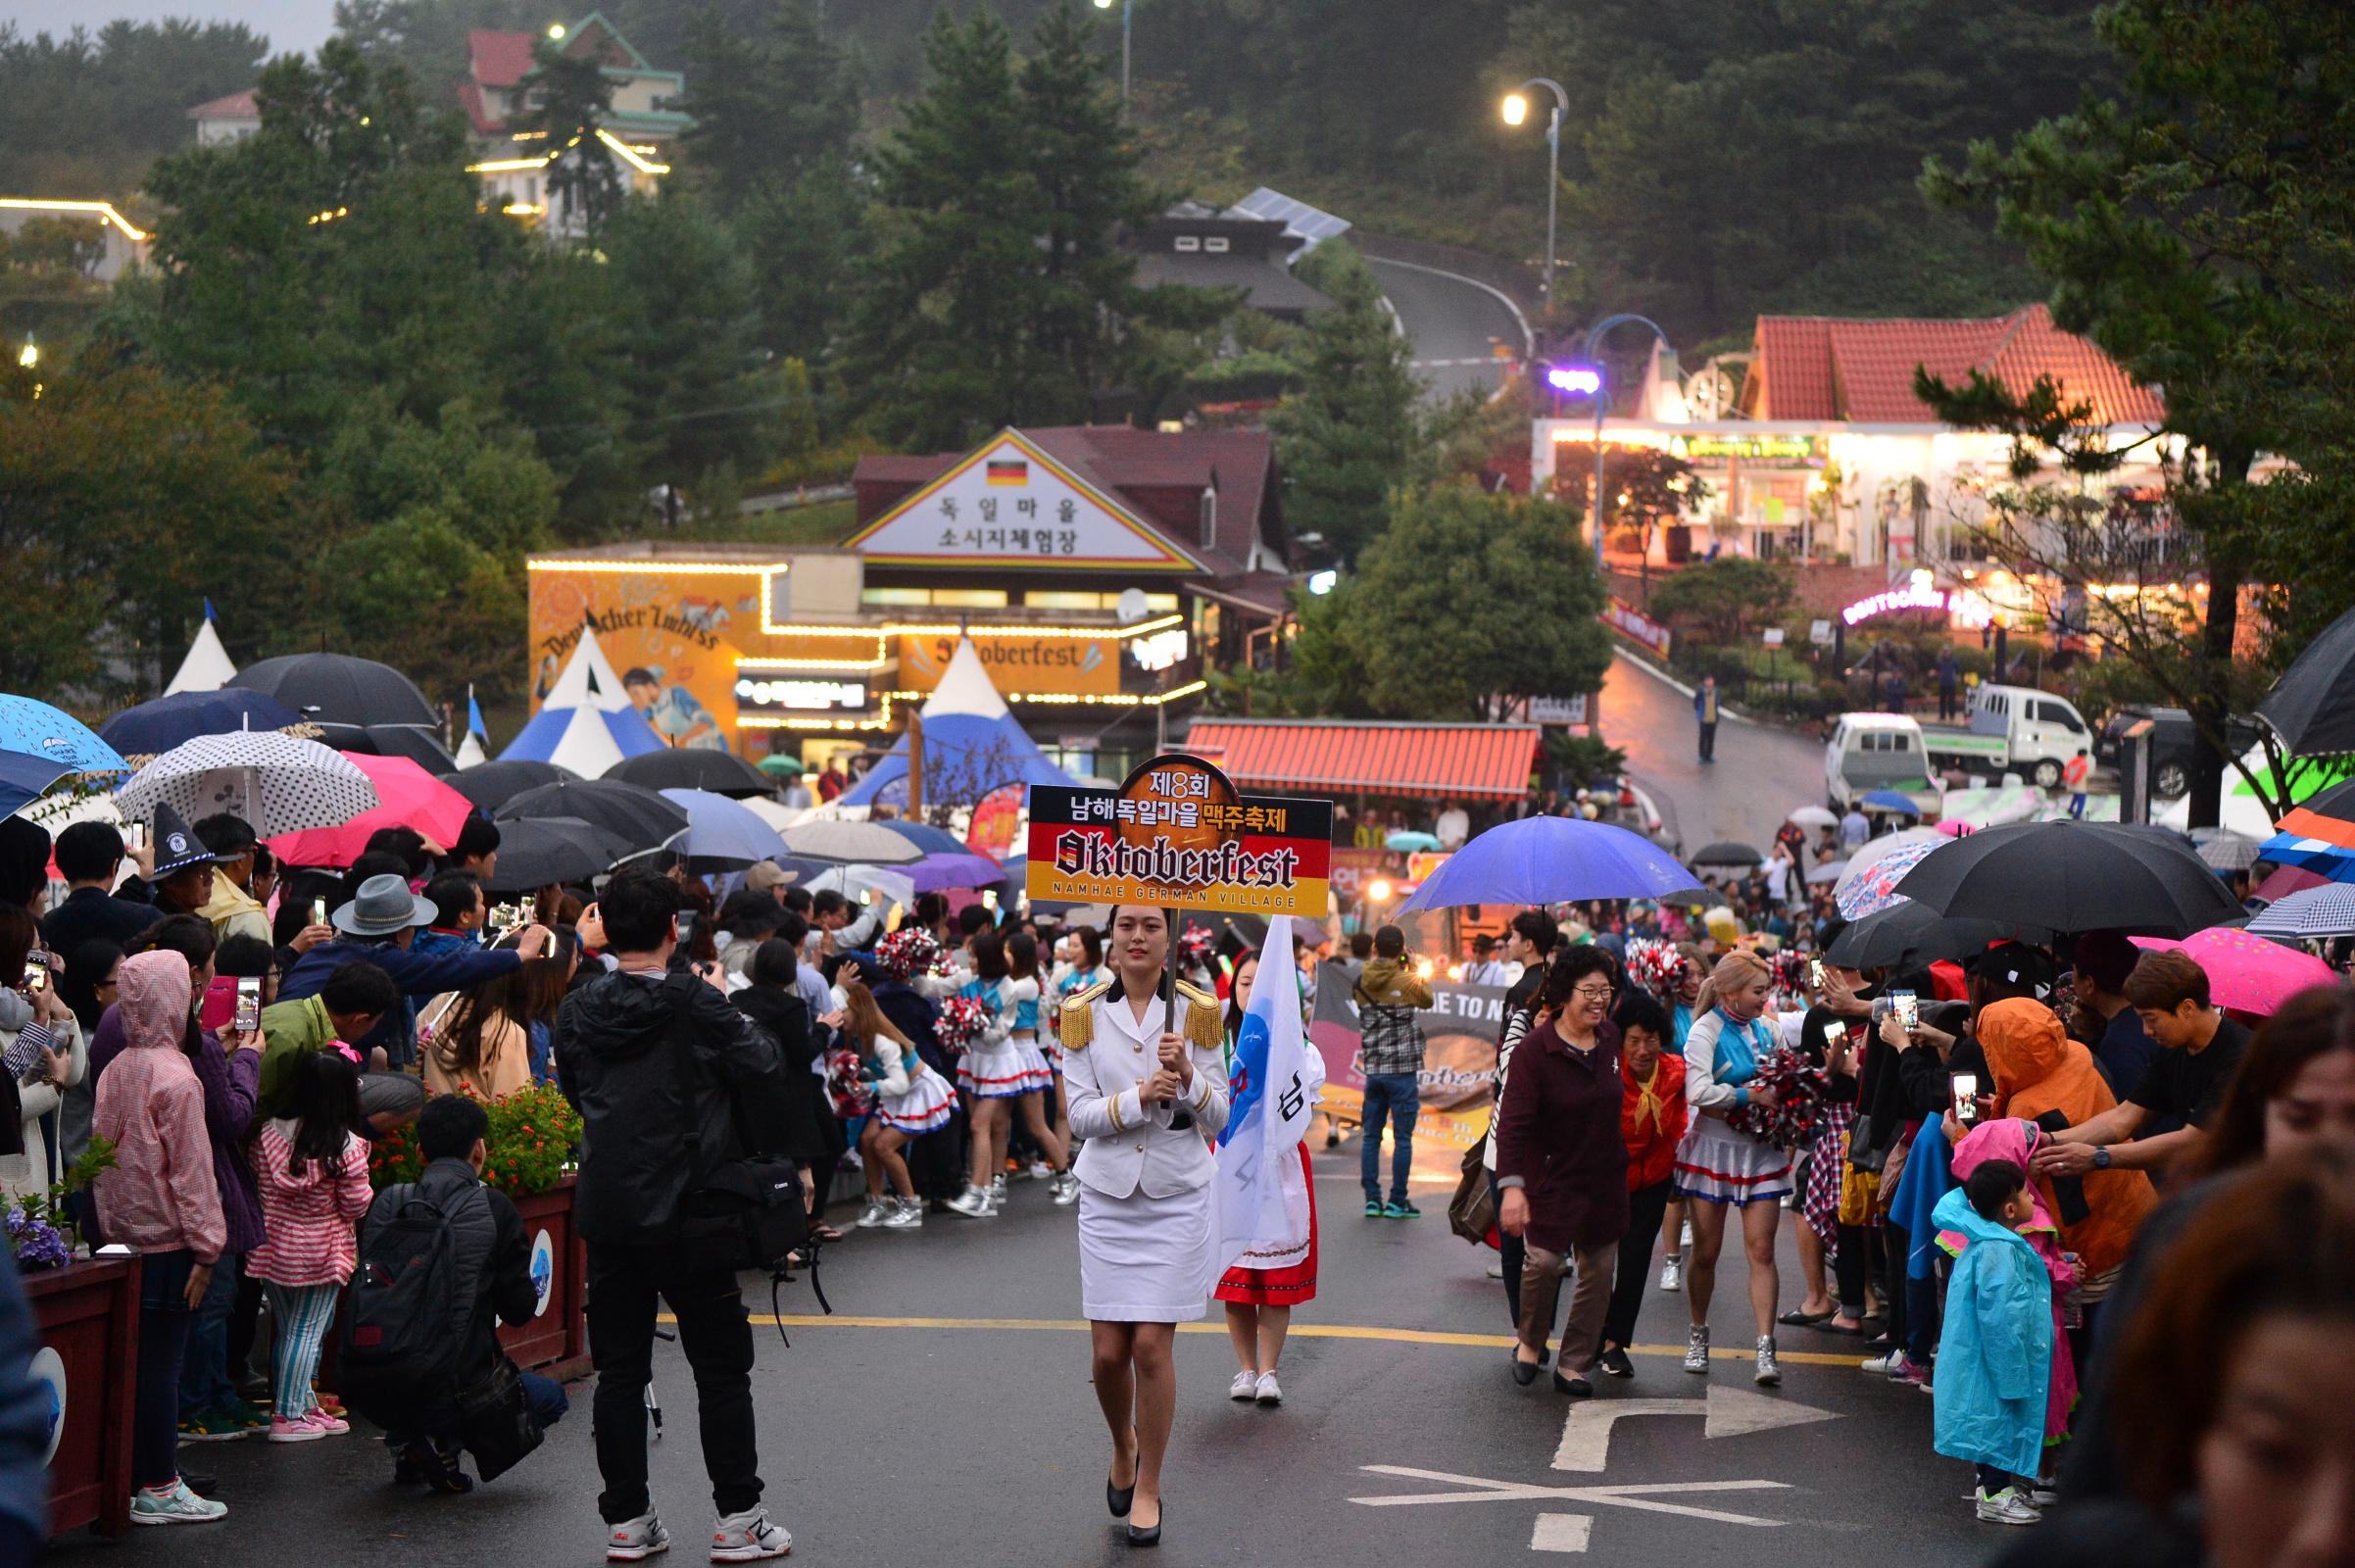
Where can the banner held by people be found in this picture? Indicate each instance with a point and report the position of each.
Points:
(1269, 1106)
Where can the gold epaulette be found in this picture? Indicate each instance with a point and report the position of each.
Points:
(1076, 1025)
(1202, 1017)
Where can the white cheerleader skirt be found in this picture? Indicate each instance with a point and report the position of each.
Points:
(924, 1108)
(1719, 1165)
(1007, 1070)
(1145, 1260)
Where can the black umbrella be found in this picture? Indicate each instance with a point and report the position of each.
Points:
(416, 741)
(2074, 876)
(338, 689)
(1909, 934)
(2311, 706)
(153, 728)
(491, 785)
(720, 772)
(539, 851)
(640, 818)
(1727, 854)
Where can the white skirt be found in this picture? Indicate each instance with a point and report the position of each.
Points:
(924, 1108)
(999, 1071)
(1145, 1260)
(1720, 1166)
(1036, 1073)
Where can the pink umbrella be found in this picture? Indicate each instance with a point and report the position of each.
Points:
(2288, 879)
(410, 797)
(2246, 973)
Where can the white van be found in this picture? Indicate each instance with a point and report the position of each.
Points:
(2015, 727)
(1871, 751)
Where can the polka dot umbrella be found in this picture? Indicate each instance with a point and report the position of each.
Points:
(278, 783)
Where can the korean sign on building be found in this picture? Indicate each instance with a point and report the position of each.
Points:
(1009, 505)
(1177, 834)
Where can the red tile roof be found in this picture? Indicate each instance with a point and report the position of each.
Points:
(500, 59)
(236, 106)
(1319, 755)
(1826, 367)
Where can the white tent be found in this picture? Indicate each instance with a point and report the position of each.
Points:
(588, 722)
(469, 752)
(208, 666)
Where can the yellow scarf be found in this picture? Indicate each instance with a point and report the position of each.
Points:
(1650, 1104)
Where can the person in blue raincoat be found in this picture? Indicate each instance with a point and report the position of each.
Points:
(1995, 1351)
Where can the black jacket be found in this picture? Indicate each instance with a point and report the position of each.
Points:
(803, 1135)
(493, 1260)
(86, 914)
(670, 1082)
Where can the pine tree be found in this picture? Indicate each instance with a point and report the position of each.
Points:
(943, 345)
(1345, 437)
(570, 99)
(771, 105)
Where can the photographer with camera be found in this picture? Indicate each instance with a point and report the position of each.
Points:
(667, 1078)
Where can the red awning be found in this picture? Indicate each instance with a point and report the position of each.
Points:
(1339, 757)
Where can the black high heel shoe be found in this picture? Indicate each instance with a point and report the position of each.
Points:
(1119, 1498)
(1149, 1538)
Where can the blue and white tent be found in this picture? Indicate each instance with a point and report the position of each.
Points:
(587, 724)
(971, 744)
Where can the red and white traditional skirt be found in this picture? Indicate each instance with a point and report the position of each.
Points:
(1277, 1273)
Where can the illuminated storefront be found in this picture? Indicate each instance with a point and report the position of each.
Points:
(1101, 573)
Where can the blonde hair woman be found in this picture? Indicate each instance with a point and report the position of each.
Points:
(1721, 1168)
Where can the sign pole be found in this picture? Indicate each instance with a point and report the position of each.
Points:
(916, 764)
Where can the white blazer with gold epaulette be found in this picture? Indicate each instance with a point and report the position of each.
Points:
(1133, 1146)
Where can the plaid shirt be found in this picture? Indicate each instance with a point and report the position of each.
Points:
(1390, 1038)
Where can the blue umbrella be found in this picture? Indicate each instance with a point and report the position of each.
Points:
(36, 729)
(25, 779)
(1892, 801)
(925, 837)
(722, 833)
(156, 727)
(1548, 860)
(1408, 839)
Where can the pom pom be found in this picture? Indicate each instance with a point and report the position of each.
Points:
(908, 951)
(960, 1023)
(1791, 1122)
(1654, 964)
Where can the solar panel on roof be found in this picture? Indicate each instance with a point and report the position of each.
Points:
(1299, 220)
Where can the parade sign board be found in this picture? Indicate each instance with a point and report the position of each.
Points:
(1176, 833)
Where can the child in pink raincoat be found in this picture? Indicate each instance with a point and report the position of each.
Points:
(2010, 1138)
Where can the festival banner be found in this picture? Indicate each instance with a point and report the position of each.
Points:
(1176, 833)
(1459, 1066)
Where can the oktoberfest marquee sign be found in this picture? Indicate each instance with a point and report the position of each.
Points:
(1176, 833)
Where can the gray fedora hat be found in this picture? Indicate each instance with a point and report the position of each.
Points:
(383, 907)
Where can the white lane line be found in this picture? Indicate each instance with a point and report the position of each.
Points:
(1529, 340)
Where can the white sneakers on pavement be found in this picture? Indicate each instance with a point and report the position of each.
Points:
(1697, 1348)
(749, 1536)
(877, 1210)
(1770, 1372)
(905, 1214)
(1245, 1388)
(1269, 1392)
(1672, 1272)
(2007, 1507)
(635, 1539)
(975, 1203)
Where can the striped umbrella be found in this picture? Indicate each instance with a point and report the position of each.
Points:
(2327, 910)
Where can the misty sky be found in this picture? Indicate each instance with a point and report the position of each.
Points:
(291, 24)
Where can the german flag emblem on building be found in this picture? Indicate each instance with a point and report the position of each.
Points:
(1008, 470)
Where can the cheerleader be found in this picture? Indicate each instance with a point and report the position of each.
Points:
(911, 1101)
(1277, 1273)
(1145, 1098)
(1079, 965)
(1675, 1225)
(1039, 1074)
(995, 1072)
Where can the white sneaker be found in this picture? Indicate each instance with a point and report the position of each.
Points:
(906, 1214)
(1697, 1348)
(1040, 1170)
(634, 1538)
(1769, 1374)
(1685, 1243)
(877, 1210)
(1066, 1190)
(1497, 1271)
(997, 1187)
(1671, 1273)
(176, 1506)
(974, 1203)
(1269, 1392)
(1245, 1386)
(749, 1537)
(2007, 1507)
(1884, 1366)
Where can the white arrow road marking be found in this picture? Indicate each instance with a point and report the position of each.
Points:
(1561, 1532)
(1730, 1413)
(1641, 1497)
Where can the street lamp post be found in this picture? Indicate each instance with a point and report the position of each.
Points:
(1516, 110)
(1127, 8)
(1589, 377)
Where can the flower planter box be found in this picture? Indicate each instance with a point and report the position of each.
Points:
(89, 1318)
(556, 1342)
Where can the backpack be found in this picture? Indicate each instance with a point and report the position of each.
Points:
(404, 1328)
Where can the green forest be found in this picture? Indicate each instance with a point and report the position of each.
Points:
(1720, 158)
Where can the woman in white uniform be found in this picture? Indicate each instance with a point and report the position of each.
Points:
(1147, 1099)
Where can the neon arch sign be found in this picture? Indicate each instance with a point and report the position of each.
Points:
(1920, 593)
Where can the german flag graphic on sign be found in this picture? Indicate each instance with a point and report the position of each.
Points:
(1008, 470)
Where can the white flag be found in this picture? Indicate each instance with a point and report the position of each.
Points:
(1270, 1092)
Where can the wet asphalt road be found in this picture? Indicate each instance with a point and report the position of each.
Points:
(945, 1417)
(1761, 776)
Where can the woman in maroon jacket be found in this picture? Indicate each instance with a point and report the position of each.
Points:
(1561, 1164)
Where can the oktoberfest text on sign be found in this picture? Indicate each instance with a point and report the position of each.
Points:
(1177, 833)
